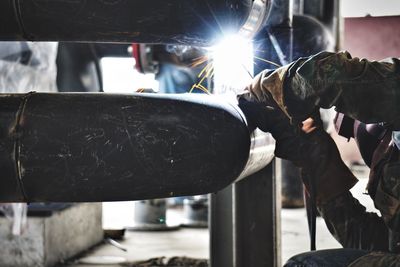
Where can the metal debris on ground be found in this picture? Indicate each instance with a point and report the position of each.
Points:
(172, 262)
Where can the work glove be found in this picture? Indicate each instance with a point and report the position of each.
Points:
(306, 144)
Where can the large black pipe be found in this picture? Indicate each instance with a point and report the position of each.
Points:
(99, 147)
(195, 22)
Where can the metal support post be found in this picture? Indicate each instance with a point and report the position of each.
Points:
(221, 228)
(257, 232)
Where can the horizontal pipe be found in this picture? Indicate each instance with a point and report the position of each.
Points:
(262, 149)
(101, 147)
(193, 22)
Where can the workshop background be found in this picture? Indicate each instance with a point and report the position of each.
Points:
(200, 230)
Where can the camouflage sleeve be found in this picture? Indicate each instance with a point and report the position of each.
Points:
(377, 259)
(365, 90)
(352, 226)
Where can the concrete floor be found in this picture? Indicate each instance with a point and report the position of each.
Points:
(194, 242)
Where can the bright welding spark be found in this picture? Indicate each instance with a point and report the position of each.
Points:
(198, 61)
(206, 72)
(233, 64)
(268, 61)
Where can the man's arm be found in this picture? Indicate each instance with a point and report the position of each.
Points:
(352, 226)
(365, 90)
(314, 151)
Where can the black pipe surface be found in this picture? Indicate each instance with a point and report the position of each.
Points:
(194, 22)
(99, 147)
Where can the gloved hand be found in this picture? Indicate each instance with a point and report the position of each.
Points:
(307, 145)
(262, 111)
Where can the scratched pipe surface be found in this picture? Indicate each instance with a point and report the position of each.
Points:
(100, 147)
(194, 22)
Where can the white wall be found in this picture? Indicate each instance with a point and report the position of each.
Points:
(376, 8)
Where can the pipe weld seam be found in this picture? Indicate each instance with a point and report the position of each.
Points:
(20, 21)
(17, 144)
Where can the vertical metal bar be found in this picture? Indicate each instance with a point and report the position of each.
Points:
(298, 7)
(314, 8)
(328, 12)
(281, 13)
(257, 231)
(221, 228)
(339, 31)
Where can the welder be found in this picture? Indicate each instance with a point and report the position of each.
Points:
(286, 102)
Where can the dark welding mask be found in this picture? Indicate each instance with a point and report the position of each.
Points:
(367, 136)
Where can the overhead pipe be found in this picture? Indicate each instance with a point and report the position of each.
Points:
(99, 147)
(190, 22)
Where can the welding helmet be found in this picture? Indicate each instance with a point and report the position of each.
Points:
(367, 136)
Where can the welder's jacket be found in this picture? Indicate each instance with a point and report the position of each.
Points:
(366, 91)
(369, 92)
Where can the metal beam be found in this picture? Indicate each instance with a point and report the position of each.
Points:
(221, 228)
(257, 230)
